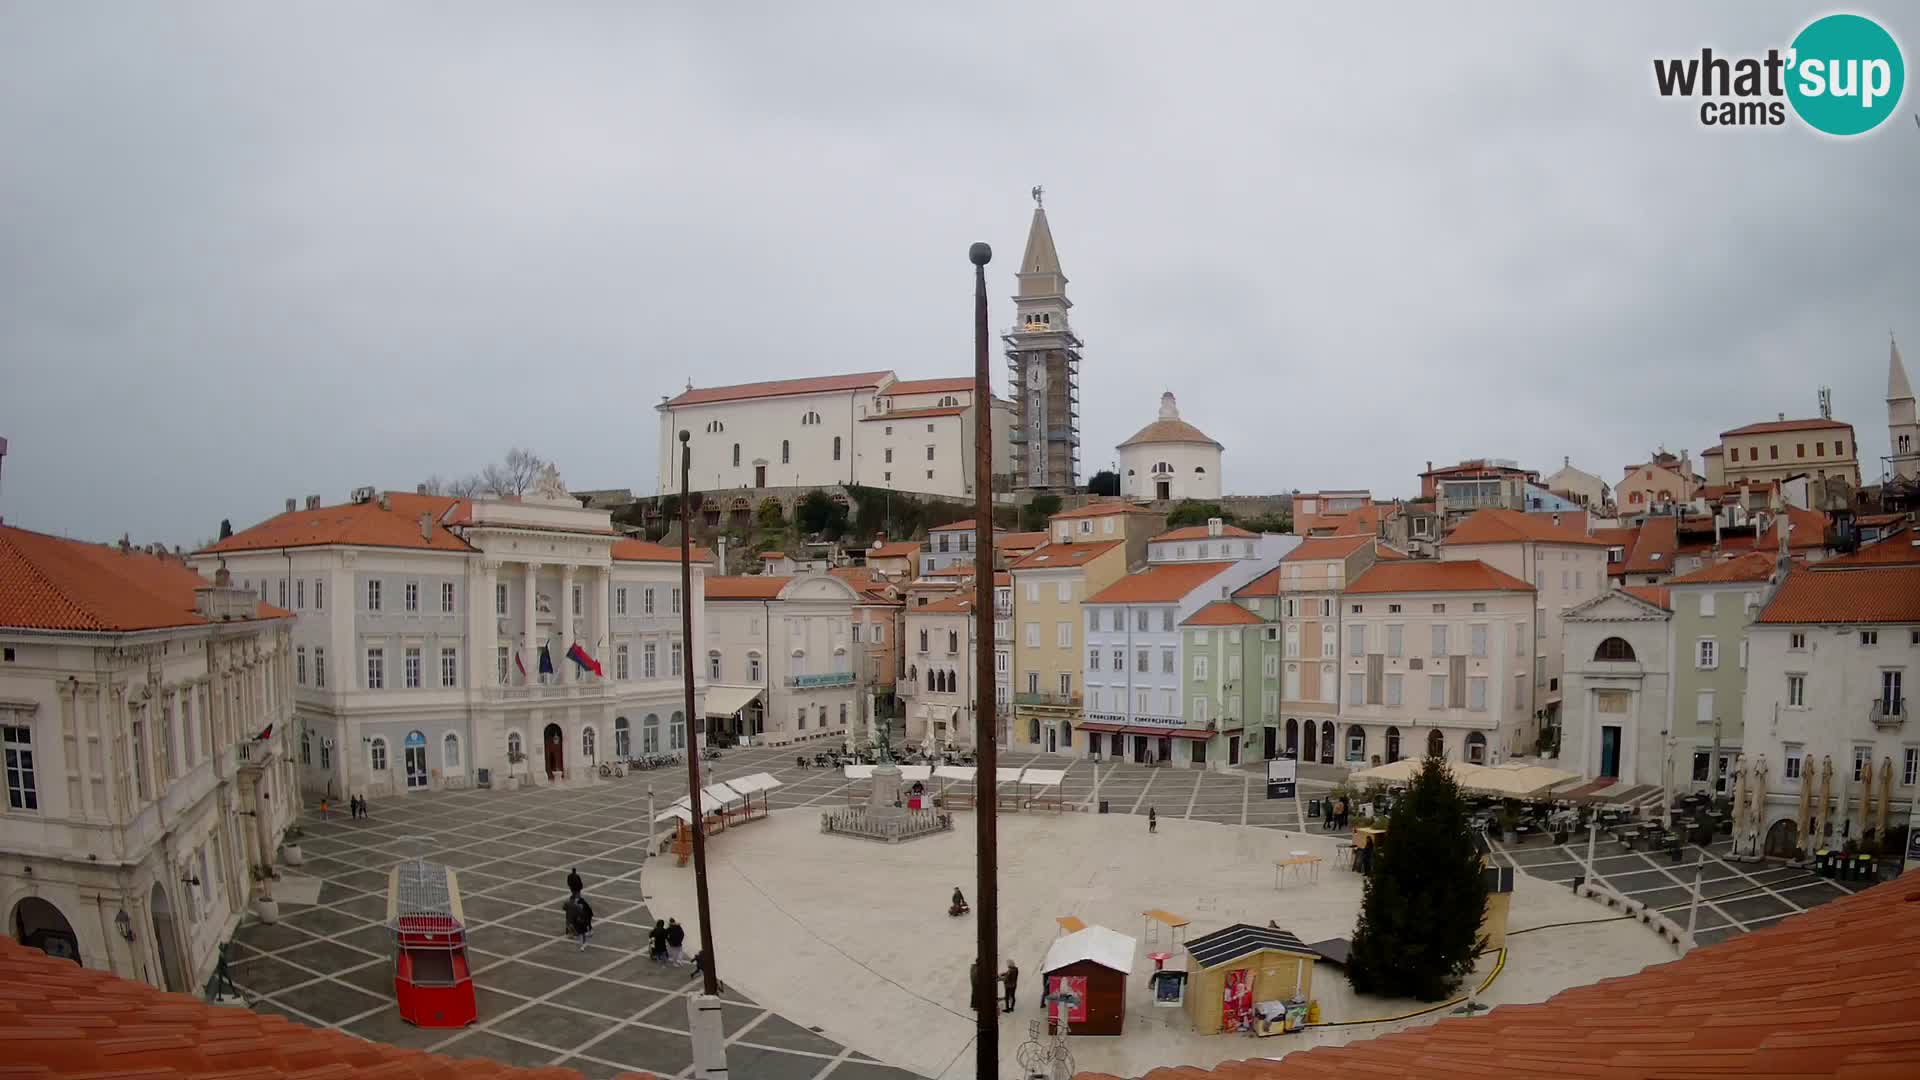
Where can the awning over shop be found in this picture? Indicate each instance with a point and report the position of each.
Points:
(724, 700)
(1104, 729)
(1167, 733)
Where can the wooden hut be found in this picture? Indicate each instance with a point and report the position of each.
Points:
(1093, 964)
(1229, 970)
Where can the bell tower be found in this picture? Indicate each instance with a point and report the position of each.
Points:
(1903, 431)
(1043, 368)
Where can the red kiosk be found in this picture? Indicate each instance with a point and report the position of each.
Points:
(431, 980)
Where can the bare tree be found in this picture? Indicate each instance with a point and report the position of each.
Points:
(466, 487)
(515, 476)
(433, 485)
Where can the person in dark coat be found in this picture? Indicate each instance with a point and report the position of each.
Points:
(973, 987)
(1011, 977)
(582, 919)
(1153, 821)
(676, 940)
(657, 941)
(574, 884)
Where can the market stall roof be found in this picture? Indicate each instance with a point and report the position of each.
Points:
(724, 700)
(1334, 950)
(1043, 777)
(916, 772)
(677, 810)
(1007, 776)
(1394, 772)
(1108, 948)
(956, 772)
(754, 782)
(1243, 939)
(859, 772)
(1514, 779)
(718, 795)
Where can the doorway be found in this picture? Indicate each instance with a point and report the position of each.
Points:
(1271, 749)
(1139, 749)
(1162, 490)
(759, 476)
(1308, 743)
(1783, 840)
(1393, 745)
(1326, 742)
(414, 754)
(1233, 749)
(37, 924)
(556, 748)
(1053, 739)
(165, 941)
(1293, 739)
(1119, 744)
(1610, 751)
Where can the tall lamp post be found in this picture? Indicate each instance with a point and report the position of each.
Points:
(987, 962)
(703, 1009)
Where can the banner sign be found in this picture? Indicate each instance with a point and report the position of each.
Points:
(1283, 774)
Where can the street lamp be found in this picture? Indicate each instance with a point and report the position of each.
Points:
(123, 924)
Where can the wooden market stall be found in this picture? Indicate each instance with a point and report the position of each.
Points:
(1088, 969)
(1233, 974)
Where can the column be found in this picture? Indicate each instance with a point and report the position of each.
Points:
(529, 647)
(563, 612)
(483, 629)
(602, 636)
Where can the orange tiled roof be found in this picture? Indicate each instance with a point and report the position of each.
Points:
(758, 587)
(951, 605)
(1827, 993)
(60, 1019)
(916, 414)
(1432, 575)
(965, 526)
(1222, 613)
(1879, 519)
(1876, 594)
(827, 384)
(1787, 425)
(648, 551)
(1496, 526)
(1267, 584)
(1020, 541)
(1654, 548)
(931, 386)
(357, 524)
(1327, 547)
(1101, 509)
(1753, 566)
(1617, 537)
(1809, 530)
(1170, 431)
(1657, 595)
(1161, 583)
(1363, 519)
(1056, 556)
(1712, 451)
(51, 583)
(1199, 532)
(1899, 548)
(898, 549)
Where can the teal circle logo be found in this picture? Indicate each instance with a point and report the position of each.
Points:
(1845, 74)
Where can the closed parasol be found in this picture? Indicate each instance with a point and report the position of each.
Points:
(1886, 796)
(1803, 825)
(1866, 798)
(1759, 801)
(1822, 818)
(1739, 808)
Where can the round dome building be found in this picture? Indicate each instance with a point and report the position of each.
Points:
(1170, 459)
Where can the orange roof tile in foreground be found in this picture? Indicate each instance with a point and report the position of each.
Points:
(1101, 509)
(1496, 526)
(1432, 575)
(1875, 594)
(1161, 583)
(759, 587)
(60, 1019)
(826, 384)
(51, 583)
(1621, 537)
(1657, 595)
(355, 524)
(1754, 566)
(1327, 547)
(1901, 548)
(648, 551)
(1062, 556)
(1222, 613)
(1361, 519)
(1787, 425)
(1199, 532)
(899, 549)
(1827, 993)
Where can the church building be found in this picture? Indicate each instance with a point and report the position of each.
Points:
(1170, 459)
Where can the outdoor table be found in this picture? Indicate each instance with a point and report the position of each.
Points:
(1156, 918)
(1301, 864)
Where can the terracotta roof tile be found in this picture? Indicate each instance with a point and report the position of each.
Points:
(827, 384)
(1267, 584)
(1020, 541)
(964, 526)
(898, 549)
(1327, 547)
(1056, 556)
(1787, 425)
(1161, 583)
(1877, 594)
(757, 587)
(1101, 509)
(1754, 566)
(1657, 595)
(1900, 548)
(1361, 520)
(950, 605)
(51, 583)
(931, 386)
(1199, 532)
(357, 524)
(1808, 530)
(1496, 526)
(1654, 548)
(1431, 575)
(1222, 613)
(647, 551)
(915, 414)
(1169, 431)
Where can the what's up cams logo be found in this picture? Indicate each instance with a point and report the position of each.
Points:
(1843, 75)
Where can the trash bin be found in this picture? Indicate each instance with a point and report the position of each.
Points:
(1104, 806)
(1313, 808)
(1823, 863)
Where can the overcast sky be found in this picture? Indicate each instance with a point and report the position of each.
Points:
(256, 250)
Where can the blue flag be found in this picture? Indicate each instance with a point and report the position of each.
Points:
(546, 661)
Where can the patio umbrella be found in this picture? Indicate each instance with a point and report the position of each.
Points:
(1886, 796)
(1866, 798)
(1803, 825)
(1740, 803)
(1397, 772)
(1821, 818)
(1840, 803)
(1759, 801)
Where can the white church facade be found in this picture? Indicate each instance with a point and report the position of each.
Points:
(1170, 460)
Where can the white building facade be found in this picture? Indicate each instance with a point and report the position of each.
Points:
(144, 715)
(1619, 688)
(420, 624)
(1170, 459)
(942, 688)
(785, 645)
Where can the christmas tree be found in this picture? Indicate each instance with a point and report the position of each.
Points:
(1419, 928)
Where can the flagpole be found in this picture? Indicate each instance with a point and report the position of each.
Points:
(986, 1016)
(703, 1010)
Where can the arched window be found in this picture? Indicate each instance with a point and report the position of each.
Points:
(1293, 737)
(1356, 743)
(1476, 748)
(713, 665)
(836, 448)
(736, 455)
(677, 731)
(1198, 469)
(650, 734)
(450, 752)
(1309, 744)
(1614, 649)
(622, 738)
(377, 754)
(1033, 731)
(1436, 744)
(953, 641)
(1393, 745)
(586, 744)
(913, 674)
(786, 452)
(513, 746)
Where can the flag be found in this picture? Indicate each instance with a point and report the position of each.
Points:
(579, 656)
(546, 661)
(520, 664)
(264, 735)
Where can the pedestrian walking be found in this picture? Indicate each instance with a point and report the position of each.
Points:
(323, 809)
(582, 919)
(365, 811)
(657, 941)
(1153, 821)
(676, 940)
(574, 884)
(1011, 977)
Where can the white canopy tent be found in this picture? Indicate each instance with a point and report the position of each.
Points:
(754, 783)
(1043, 777)
(957, 773)
(858, 772)
(910, 773)
(719, 796)
(679, 809)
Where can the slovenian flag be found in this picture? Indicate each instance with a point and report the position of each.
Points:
(520, 664)
(579, 656)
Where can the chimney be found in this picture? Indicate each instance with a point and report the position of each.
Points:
(126, 544)
(720, 553)
(426, 526)
(1214, 526)
(1783, 523)
(385, 504)
(420, 489)
(313, 502)
(1556, 520)
(291, 503)
(1782, 416)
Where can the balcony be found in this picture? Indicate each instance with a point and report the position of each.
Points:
(816, 682)
(1887, 715)
(1048, 699)
(546, 692)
